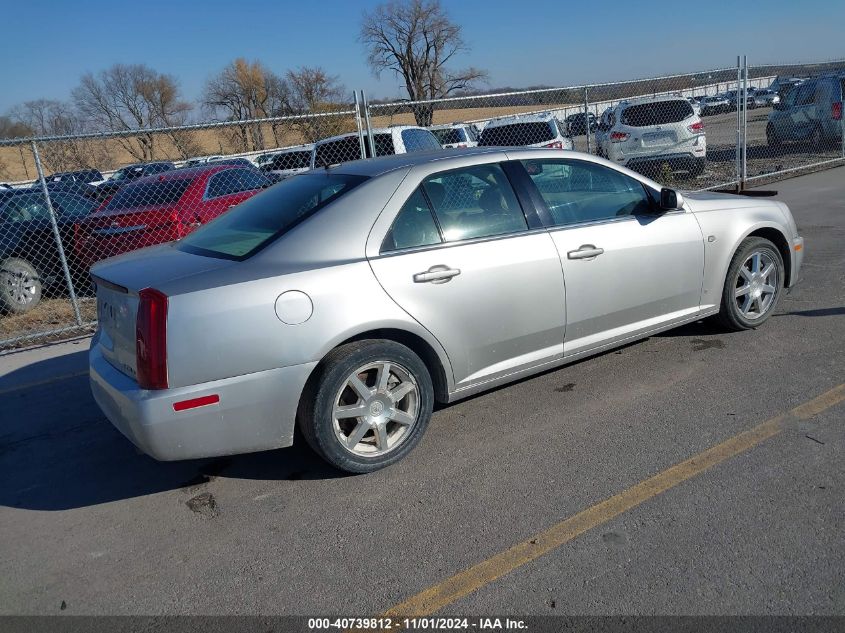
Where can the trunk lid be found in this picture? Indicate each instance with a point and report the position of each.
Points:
(118, 282)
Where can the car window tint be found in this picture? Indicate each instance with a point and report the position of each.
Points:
(529, 133)
(69, 204)
(419, 140)
(251, 179)
(576, 191)
(806, 94)
(657, 113)
(224, 183)
(473, 202)
(292, 160)
(384, 145)
(339, 151)
(413, 227)
(157, 192)
(26, 209)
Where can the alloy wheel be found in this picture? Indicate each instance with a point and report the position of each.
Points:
(756, 285)
(22, 287)
(376, 408)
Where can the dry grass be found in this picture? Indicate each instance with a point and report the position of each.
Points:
(50, 314)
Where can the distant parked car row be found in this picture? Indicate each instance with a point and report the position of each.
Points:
(811, 111)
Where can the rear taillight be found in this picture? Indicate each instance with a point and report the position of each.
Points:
(555, 145)
(618, 137)
(696, 128)
(151, 339)
(837, 111)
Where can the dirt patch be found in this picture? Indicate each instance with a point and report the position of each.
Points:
(50, 314)
(203, 504)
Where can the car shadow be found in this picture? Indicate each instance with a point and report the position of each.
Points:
(58, 451)
(820, 312)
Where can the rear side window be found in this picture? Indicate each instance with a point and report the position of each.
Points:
(413, 227)
(232, 181)
(143, 194)
(70, 204)
(531, 133)
(419, 140)
(253, 224)
(450, 135)
(658, 113)
(384, 145)
(474, 202)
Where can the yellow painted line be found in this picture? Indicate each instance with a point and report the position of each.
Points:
(46, 381)
(465, 582)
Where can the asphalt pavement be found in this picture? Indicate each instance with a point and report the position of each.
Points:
(90, 526)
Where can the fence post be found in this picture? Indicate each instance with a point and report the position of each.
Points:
(370, 140)
(738, 161)
(744, 122)
(358, 124)
(56, 234)
(587, 118)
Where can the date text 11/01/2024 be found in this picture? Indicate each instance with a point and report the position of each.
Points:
(430, 624)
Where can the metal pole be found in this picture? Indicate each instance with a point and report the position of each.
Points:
(744, 120)
(738, 161)
(358, 125)
(587, 118)
(56, 234)
(370, 141)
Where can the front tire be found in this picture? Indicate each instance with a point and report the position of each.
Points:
(753, 285)
(20, 286)
(367, 405)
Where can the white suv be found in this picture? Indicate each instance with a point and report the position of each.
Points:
(455, 135)
(397, 139)
(645, 133)
(529, 130)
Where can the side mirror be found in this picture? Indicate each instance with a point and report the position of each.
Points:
(670, 199)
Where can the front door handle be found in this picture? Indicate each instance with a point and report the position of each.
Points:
(586, 251)
(436, 275)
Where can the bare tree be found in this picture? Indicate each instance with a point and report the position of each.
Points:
(243, 91)
(417, 40)
(47, 117)
(313, 91)
(11, 128)
(133, 97)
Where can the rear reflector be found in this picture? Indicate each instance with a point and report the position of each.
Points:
(618, 137)
(151, 339)
(196, 402)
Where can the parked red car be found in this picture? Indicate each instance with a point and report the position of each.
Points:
(162, 208)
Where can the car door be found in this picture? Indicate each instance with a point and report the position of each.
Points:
(627, 268)
(461, 260)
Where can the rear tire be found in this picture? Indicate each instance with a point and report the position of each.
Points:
(20, 286)
(753, 285)
(390, 388)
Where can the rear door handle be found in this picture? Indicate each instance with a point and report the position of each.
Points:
(586, 251)
(436, 275)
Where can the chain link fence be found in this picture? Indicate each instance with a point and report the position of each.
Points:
(77, 199)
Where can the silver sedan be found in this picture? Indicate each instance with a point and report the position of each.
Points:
(346, 301)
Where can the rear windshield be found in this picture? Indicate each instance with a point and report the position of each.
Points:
(144, 194)
(450, 135)
(292, 160)
(349, 148)
(517, 134)
(253, 224)
(658, 113)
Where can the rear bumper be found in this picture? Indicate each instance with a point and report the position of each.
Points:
(255, 412)
(676, 162)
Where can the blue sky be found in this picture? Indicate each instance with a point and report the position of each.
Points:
(45, 47)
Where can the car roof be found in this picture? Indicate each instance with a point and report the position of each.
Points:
(520, 118)
(185, 173)
(654, 99)
(375, 130)
(299, 148)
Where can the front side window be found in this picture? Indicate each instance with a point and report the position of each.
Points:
(576, 191)
(253, 224)
(413, 227)
(474, 202)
